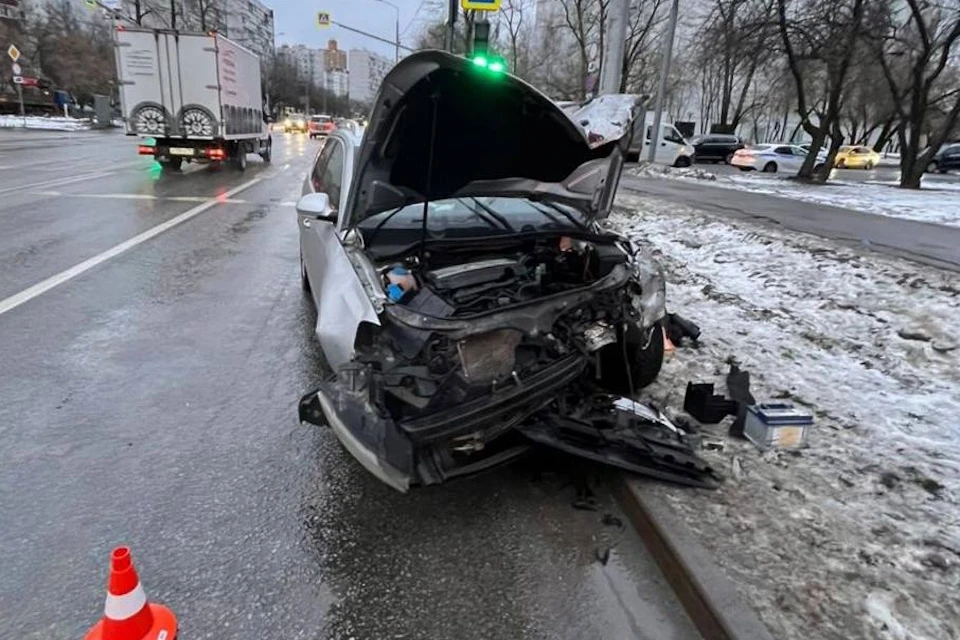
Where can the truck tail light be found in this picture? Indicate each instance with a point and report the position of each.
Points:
(145, 150)
(215, 153)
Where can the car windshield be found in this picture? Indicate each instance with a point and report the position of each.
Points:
(468, 218)
(846, 149)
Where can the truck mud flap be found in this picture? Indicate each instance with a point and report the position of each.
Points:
(607, 434)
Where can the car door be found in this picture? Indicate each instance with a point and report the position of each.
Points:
(325, 177)
(785, 159)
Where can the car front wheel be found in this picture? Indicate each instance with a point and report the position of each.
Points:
(636, 357)
(770, 167)
(682, 161)
(933, 167)
(304, 279)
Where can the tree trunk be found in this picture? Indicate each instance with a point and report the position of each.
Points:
(806, 171)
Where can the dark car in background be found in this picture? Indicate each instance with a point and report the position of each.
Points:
(715, 147)
(946, 159)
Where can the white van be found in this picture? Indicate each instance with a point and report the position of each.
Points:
(673, 150)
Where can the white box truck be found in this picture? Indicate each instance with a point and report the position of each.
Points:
(196, 96)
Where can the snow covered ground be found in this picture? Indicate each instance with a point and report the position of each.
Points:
(938, 201)
(858, 535)
(40, 122)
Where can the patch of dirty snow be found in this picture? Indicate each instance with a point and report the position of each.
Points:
(42, 122)
(648, 169)
(856, 536)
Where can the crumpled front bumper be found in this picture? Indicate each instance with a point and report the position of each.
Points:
(558, 411)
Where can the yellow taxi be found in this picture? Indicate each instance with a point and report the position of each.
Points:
(857, 157)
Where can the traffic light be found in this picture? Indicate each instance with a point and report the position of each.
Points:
(481, 39)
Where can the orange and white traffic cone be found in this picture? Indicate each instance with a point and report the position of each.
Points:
(127, 615)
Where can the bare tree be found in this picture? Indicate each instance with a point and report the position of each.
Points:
(586, 20)
(734, 41)
(820, 38)
(512, 14)
(203, 14)
(915, 51)
(640, 64)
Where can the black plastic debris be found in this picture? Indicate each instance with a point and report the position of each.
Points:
(677, 328)
(738, 386)
(706, 406)
(624, 434)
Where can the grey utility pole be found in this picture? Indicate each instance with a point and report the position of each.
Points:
(662, 88)
(611, 76)
(451, 24)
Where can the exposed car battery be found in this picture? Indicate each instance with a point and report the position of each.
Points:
(777, 425)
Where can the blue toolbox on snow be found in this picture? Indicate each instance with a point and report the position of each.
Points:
(777, 425)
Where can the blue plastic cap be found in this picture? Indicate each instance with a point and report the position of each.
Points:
(394, 292)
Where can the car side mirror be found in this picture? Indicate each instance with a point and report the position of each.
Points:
(316, 206)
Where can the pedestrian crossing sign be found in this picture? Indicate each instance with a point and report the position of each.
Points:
(323, 19)
(481, 5)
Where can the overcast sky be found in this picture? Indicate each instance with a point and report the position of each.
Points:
(296, 20)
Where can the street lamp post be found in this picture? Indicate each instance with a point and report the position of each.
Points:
(397, 32)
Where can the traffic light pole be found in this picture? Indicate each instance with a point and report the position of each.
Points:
(451, 24)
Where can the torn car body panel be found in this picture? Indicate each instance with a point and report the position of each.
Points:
(343, 303)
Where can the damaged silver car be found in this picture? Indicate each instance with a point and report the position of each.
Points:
(469, 301)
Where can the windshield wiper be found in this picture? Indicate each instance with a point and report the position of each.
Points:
(566, 214)
(496, 216)
(386, 219)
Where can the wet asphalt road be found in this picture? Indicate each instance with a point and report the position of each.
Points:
(151, 401)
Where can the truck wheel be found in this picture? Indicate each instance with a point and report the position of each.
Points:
(267, 154)
(240, 157)
(172, 164)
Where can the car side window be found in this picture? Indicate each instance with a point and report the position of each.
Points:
(786, 151)
(327, 174)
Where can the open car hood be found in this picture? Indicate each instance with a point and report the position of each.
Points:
(444, 127)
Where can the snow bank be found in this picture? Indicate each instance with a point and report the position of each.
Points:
(648, 170)
(40, 122)
(858, 536)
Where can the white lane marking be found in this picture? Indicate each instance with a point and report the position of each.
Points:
(58, 181)
(26, 295)
(133, 196)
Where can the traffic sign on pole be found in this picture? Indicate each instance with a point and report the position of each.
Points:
(13, 52)
(16, 69)
(481, 5)
(17, 79)
(323, 19)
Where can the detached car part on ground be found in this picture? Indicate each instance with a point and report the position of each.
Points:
(468, 299)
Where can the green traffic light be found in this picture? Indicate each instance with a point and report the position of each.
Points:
(480, 61)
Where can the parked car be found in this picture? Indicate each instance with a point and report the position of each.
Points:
(320, 125)
(946, 159)
(856, 157)
(469, 302)
(771, 158)
(715, 147)
(295, 123)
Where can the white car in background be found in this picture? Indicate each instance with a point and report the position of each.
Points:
(771, 158)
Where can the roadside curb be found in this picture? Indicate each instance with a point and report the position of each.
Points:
(706, 593)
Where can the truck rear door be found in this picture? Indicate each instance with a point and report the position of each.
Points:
(168, 83)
